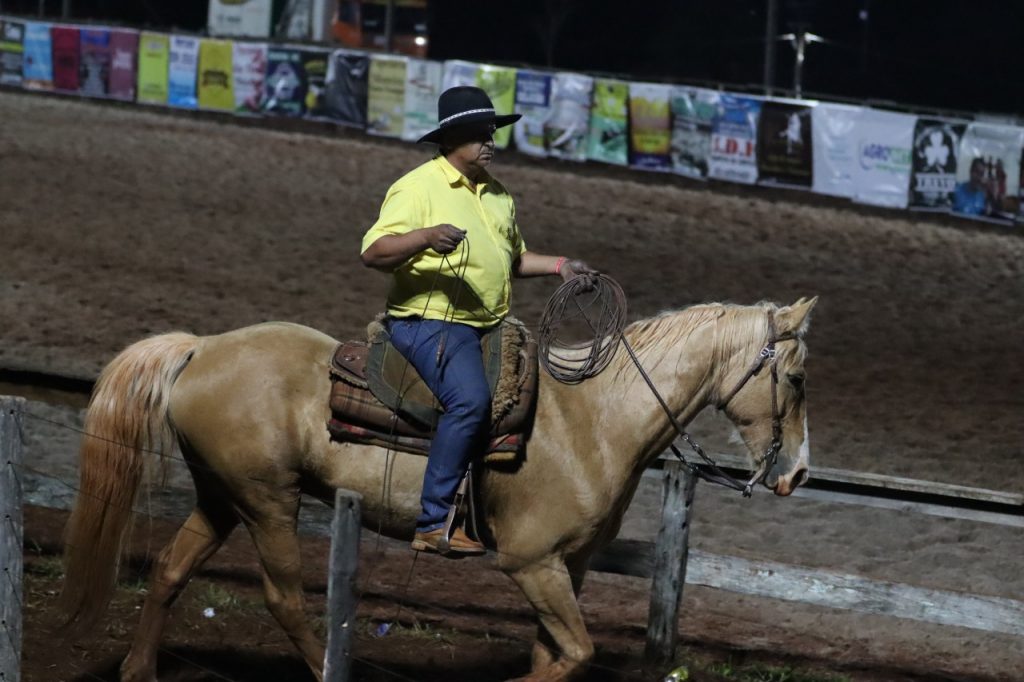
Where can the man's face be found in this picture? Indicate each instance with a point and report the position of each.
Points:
(977, 173)
(471, 146)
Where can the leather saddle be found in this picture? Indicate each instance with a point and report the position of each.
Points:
(378, 398)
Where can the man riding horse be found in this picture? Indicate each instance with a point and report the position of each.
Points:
(447, 233)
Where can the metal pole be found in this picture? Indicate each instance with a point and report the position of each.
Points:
(770, 27)
(389, 27)
(800, 44)
(12, 532)
(42, 8)
(65, 9)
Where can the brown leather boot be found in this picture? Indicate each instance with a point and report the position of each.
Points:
(459, 545)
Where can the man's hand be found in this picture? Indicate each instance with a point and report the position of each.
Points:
(444, 238)
(575, 267)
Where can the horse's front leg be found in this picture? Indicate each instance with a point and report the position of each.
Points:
(564, 649)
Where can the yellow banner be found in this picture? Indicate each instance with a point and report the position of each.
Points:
(153, 56)
(215, 76)
(386, 96)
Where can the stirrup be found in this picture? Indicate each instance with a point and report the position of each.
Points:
(444, 544)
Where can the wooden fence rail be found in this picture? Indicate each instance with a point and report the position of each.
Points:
(11, 537)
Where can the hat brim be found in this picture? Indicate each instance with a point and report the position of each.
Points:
(499, 121)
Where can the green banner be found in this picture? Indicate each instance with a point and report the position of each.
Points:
(385, 105)
(609, 122)
(153, 60)
(499, 83)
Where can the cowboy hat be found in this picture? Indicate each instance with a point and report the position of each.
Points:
(466, 105)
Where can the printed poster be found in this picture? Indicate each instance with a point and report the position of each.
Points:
(285, 85)
(124, 50)
(499, 83)
(239, 18)
(249, 69)
(314, 66)
(693, 116)
(533, 101)
(833, 148)
(181, 72)
(154, 59)
(988, 172)
(881, 174)
(38, 57)
(67, 56)
(933, 167)
(734, 139)
(385, 105)
(608, 139)
(565, 133)
(214, 83)
(650, 127)
(345, 98)
(422, 88)
(784, 140)
(12, 51)
(95, 64)
(458, 72)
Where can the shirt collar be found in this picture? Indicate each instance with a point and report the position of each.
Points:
(453, 176)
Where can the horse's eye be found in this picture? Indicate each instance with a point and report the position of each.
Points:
(796, 381)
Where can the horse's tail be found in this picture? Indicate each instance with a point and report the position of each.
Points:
(126, 419)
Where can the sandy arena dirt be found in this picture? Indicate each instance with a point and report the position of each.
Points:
(118, 223)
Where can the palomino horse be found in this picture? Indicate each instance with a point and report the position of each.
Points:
(248, 409)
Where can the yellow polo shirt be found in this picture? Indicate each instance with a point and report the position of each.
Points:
(429, 285)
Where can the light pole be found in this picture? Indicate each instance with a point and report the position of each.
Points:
(799, 41)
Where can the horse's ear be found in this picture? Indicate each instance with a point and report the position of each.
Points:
(793, 320)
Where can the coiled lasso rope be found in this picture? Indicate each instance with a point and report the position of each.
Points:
(581, 328)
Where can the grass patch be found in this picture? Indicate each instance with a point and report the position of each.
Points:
(759, 672)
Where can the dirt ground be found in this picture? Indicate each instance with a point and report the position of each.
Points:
(118, 223)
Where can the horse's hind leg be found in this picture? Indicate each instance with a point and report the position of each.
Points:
(201, 535)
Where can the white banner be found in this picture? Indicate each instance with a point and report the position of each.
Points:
(181, 72)
(249, 66)
(834, 147)
(533, 101)
(422, 88)
(734, 139)
(884, 148)
(566, 129)
(988, 171)
(457, 72)
(239, 18)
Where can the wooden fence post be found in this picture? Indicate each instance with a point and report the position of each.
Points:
(341, 586)
(11, 537)
(670, 562)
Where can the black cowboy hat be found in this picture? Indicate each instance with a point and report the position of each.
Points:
(466, 105)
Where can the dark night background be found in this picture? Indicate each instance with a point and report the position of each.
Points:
(940, 54)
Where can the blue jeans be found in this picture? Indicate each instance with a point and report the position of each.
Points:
(459, 383)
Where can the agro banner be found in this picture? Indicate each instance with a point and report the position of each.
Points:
(834, 148)
(458, 72)
(248, 69)
(154, 58)
(214, 87)
(38, 64)
(285, 85)
(499, 82)
(608, 139)
(181, 72)
(565, 133)
(734, 139)
(12, 51)
(650, 126)
(95, 64)
(422, 87)
(385, 104)
(988, 172)
(693, 116)
(124, 51)
(933, 167)
(881, 174)
(533, 101)
(784, 144)
(67, 55)
(314, 65)
(345, 100)
(239, 18)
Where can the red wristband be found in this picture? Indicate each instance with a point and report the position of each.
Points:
(558, 265)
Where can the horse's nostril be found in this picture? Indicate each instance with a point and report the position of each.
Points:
(800, 477)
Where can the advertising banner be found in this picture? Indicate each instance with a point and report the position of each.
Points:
(249, 69)
(834, 148)
(385, 104)
(566, 130)
(533, 101)
(214, 83)
(12, 51)
(608, 139)
(881, 174)
(285, 85)
(38, 64)
(124, 51)
(95, 64)
(734, 139)
(458, 72)
(693, 116)
(650, 127)
(314, 66)
(988, 172)
(154, 61)
(499, 83)
(67, 54)
(347, 86)
(239, 18)
(933, 167)
(422, 88)
(784, 142)
(181, 72)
